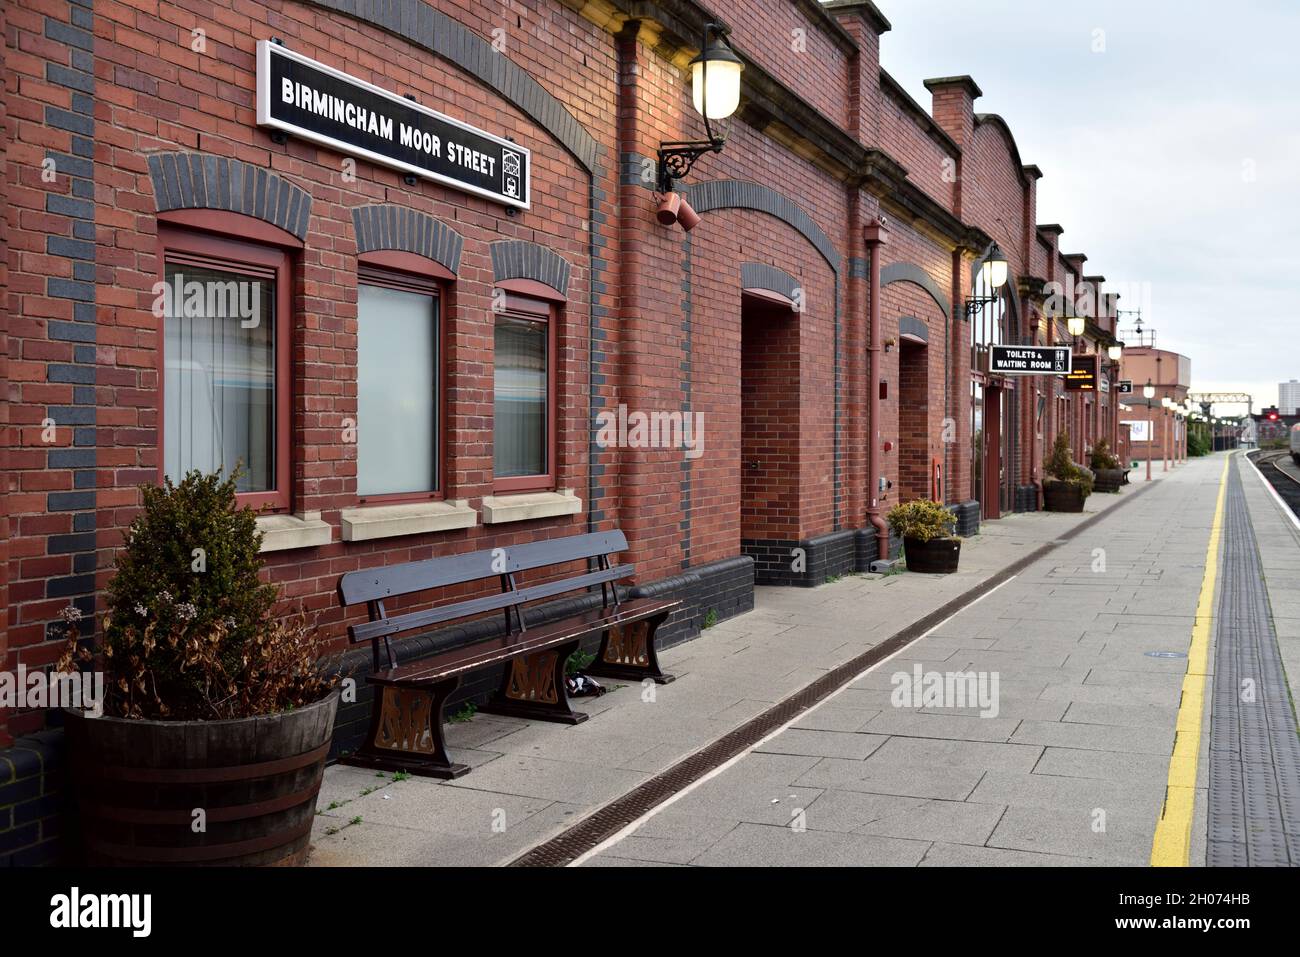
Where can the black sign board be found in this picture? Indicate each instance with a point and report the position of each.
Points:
(1083, 374)
(1125, 387)
(1029, 360)
(315, 102)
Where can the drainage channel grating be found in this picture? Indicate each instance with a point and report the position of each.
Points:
(1254, 798)
(608, 820)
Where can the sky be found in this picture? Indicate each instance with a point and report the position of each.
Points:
(1169, 138)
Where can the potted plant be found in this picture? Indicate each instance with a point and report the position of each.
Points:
(1106, 467)
(1066, 485)
(210, 741)
(926, 530)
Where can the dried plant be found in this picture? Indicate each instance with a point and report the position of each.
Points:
(192, 631)
(1061, 467)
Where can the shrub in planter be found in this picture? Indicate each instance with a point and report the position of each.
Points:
(212, 702)
(926, 530)
(1065, 484)
(1106, 467)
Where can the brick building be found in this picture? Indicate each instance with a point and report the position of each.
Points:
(135, 154)
(1155, 432)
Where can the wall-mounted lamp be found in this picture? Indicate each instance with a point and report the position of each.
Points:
(715, 91)
(1115, 351)
(890, 343)
(993, 270)
(1076, 325)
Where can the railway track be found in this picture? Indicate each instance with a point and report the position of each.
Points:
(1283, 474)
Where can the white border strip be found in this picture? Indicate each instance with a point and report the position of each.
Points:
(1286, 509)
(615, 838)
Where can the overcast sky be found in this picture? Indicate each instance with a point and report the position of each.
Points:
(1171, 157)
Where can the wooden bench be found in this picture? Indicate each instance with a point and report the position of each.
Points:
(407, 714)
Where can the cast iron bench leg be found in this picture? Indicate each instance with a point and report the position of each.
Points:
(628, 651)
(533, 687)
(406, 731)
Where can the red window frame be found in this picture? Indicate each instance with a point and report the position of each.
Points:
(523, 302)
(412, 273)
(181, 238)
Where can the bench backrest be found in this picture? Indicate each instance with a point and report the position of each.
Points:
(373, 585)
(391, 581)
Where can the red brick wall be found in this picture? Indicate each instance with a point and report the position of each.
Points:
(5, 437)
(797, 47)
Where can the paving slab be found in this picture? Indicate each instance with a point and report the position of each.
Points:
(755, 845)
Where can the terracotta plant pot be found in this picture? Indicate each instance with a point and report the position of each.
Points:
(1108, 480)
(938, 556)
(1062, 497)
(255, 781)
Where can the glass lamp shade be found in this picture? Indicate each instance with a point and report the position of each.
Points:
(1115, 352)
(1076, 325)
(994, 269)
(1148, 390)
(716, 72)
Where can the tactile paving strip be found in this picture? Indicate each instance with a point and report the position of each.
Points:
(1254, 805)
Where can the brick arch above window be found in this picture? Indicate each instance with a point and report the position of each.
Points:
(739, 194)
(386, 226)
(910, 272)
(520, 259)
(420, 24)
(205, 181)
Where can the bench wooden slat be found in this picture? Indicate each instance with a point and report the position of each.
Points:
(406, 714)
(372, 584)
(384, 627)
(456, 661)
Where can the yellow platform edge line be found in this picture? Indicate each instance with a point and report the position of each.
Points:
(1171, 846)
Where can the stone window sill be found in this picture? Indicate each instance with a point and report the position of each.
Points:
(529, 505)
(283, 532)
(412, 518)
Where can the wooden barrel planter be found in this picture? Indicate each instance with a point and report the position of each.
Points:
(140, 783)
(938, 556)
(1063, 497)
(1108, 480)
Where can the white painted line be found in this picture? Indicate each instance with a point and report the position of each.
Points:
(615, 838)
(1285, 509)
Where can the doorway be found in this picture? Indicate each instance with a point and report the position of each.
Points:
(769, 420)
(991, 432)
(914, 475)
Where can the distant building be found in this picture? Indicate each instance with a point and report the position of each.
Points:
(1154, 433)
(1288, 397)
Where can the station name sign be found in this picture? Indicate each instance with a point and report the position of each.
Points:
(315, 102)
(1029, 360)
